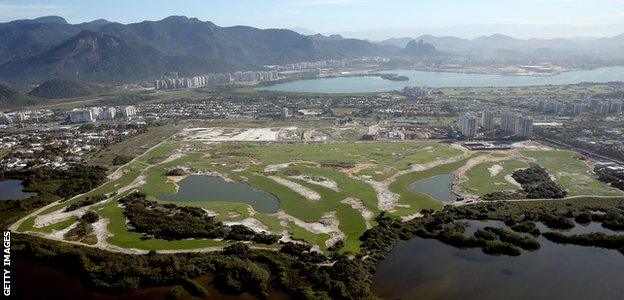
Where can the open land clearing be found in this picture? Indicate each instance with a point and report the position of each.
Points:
(327, 192)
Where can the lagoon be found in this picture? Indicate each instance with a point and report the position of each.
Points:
(13, 190)
(439, 187)
(429, 269)
(372, 84)
(206, 188)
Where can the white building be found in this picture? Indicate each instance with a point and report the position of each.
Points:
(83, 115)
(468, 125)
(127, 111)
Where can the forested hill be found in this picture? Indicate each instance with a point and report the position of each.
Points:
(36, 50)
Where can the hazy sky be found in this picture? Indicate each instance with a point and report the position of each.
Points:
(359, 18)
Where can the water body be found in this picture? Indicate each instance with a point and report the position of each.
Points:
(206, 188)
(370, 84)
(439, 187)
(13, 190)
(52, 283)
(429, 269)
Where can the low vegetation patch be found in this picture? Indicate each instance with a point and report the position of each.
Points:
(172, 222)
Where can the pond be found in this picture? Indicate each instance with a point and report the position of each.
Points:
(13, 190)
(439, 187)
(429, 269)
(370, 84)
(207, 188)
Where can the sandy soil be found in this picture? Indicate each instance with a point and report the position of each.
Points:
(252, 223)
(298, 188)
(328, 224)
(324, 182)
(220, 134)
(276, 167)
(495, 169)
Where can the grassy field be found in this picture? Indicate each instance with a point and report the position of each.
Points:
(133, 146)
(331, 163)
(396, 155)
(572, 173)
(378, 173)
(480, 180)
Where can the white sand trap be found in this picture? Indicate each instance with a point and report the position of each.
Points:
(319, 180)
(495, 169)
(276, 167)
(512, 181)
(298, 188)
(251, 223)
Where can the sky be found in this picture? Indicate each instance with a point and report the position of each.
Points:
(371, 19)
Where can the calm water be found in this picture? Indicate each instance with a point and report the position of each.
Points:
(438, 187)
(429, 269)
(442, 79)
(206, 188)
(13, 190)
(52, 283)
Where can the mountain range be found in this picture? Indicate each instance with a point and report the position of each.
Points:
(33, 51)
(36, 50)
(504, 42)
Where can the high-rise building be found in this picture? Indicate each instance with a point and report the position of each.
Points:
(524, 127)
(107, 114)
(554, 107)
(508, 122)
(605, 108)
(127, 111)
(487, 120)
(616, 107)
(468, 125)
(82, 115)
(577, 108)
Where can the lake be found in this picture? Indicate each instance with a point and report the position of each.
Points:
(429, 269)
(207, 188)
(439, 187)
(13, 190)
(370, 84)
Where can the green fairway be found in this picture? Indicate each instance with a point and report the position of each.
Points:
(482, 181)
(325, 193)
(377, 173)
(397, 155)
